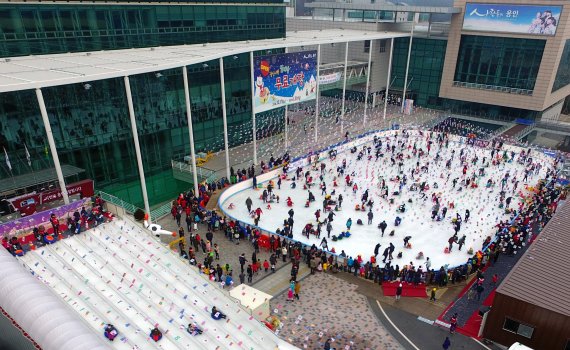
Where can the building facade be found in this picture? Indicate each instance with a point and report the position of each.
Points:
(529, 308)
(90, 122)
(507, 71)
(499, 70)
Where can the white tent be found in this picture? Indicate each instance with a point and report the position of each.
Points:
(45, 317)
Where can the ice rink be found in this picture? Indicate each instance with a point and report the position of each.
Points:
(427, 236)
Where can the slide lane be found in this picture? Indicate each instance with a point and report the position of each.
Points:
(98, 273)
(83, 300)
(241, 321)
(171, 302)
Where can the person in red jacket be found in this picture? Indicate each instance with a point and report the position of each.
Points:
(156, 334)
(266, 265)
(55, 223)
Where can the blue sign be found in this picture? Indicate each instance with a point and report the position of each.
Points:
(518, 19)
(284, 79)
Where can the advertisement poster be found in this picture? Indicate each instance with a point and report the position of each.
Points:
(518, 19)
(284, 79)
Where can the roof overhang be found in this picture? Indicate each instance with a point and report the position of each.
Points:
(31, 72)
(383, 7)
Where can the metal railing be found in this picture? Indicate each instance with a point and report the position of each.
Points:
(161, 211)
(201, 172)
(506, 89)
(521, 134)
(109, 198)
(500, 130)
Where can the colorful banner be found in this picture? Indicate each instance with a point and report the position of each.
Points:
(27, 223)
(284, 79)
(505, 18)
(329, 78)
(27, 204)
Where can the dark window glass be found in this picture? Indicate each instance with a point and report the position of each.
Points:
(499, 62)
(563, 73)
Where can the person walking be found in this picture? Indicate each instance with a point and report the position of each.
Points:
(370, 217)
(453, 323)
(480, 290)
(248, 204)
(382, 226)
(446, 343)
(432, 297)
(399, 291)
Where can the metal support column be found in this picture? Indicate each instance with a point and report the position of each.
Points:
(190, 129)
(137, 146)
(407, 68)
(286, 128)
(344, 89)
(388, 76)
(224, 115)
(318, 92)
(254, 127)
(367, 81)
(52, 147)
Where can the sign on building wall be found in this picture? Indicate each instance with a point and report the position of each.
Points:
(284, 79)
(505, 18)
(329, 78)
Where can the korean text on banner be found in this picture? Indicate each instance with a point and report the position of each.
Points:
(284, 79)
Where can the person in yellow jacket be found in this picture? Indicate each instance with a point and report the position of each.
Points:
(297, 289)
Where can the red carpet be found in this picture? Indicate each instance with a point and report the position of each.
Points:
(408, 289)
(471, 327)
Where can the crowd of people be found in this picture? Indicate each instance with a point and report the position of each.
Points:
(509, 238)
(75, 223)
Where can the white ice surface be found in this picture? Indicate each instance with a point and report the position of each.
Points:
(429, 237)
(118, 273)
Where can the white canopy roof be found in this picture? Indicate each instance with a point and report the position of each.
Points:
(40, 312)
(30, 72)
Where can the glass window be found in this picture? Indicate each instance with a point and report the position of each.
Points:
(66, 19)
(48, 20)
(563, 73)
(495, 61)
(518, 328)
(382, 45)
(29, 21)
(367, 46)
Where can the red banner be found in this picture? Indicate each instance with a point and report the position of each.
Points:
(23, 203)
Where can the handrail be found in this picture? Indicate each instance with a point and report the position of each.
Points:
(129, 208)
(161, 211)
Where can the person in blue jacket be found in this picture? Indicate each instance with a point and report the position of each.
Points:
(229, 281)
(217, 315)
(348, 223)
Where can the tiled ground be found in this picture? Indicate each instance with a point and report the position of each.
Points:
(331, 308)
